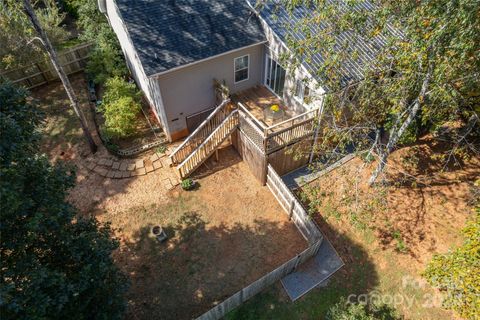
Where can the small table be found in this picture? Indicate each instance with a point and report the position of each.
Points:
(274, 116)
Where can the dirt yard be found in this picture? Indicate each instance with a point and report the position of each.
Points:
(399, 226)
(222, 236)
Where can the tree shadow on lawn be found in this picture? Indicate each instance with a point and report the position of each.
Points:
(199, 265)
(63, 140)
(62, 135)
(358, 276)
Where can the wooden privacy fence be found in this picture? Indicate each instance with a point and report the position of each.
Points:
(308, 229)
(295, 209)
(197, 137)
(248, 127)
(41, 72)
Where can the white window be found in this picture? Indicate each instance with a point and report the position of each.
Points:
(241, 68)
(302, 92)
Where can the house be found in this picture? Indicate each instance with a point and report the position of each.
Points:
(176, 49)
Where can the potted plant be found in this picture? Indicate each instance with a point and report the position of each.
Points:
(275, 108)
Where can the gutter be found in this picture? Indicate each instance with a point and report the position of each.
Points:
(205, 59)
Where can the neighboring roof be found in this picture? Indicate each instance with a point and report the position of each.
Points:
(283, 23)
(172, 33)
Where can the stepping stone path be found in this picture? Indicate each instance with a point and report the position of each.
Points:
(115, 168)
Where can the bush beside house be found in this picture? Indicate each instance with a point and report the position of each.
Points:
(120, 107)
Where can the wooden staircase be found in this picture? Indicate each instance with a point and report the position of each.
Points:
(203, 142)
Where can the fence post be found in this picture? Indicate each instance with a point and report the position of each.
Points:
(296, 263)
(290, 213)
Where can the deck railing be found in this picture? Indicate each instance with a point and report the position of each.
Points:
(205, 149)
(279, 135)
(201, 133)
(276, 140)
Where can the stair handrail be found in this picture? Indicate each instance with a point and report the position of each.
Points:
(233, 113)
(197, 130)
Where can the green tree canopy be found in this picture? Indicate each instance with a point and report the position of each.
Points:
(425, 73)
(106, 58)
(54, 264)
(19, 48)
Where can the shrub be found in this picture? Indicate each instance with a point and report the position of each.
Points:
(343, 310)
(457, 273)
(120, 107)
(120, 117)
(161, 149)
(106, 58)
(117, 87)
(188, 184)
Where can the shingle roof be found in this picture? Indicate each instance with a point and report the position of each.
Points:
(172, 33)
(283, 24)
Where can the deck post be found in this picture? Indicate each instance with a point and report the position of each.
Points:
(290, 213)
(317, 129)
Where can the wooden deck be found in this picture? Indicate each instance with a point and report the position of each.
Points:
(259, 98)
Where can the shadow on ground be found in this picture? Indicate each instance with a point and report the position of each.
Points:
(199, 265)
(358, 276)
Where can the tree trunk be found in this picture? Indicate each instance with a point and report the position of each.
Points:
(61, 73)
(396, 135)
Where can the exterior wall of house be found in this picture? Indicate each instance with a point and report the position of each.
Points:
(149, 87)
(189, 90)
(275, 48)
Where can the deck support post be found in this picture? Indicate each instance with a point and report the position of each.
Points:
(317, 129)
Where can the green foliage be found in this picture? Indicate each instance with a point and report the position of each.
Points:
(188, 184)
(54, 264)
(344, 310)
(457, 273)
(17, 37)
(401, 246)
(117, 87)
(440, 39)
(161, 149)
(106, 59)
(120, 107)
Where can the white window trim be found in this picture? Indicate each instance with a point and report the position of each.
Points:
(248, 68)
(300, 99)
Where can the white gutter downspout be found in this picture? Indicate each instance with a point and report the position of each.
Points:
(317, 129)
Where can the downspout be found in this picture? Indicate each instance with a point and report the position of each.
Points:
(102, 6)
(317, 129)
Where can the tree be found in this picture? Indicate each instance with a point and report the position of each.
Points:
(106, 58)
(458, 273)
(425, 73)
(17, 49)
(30, 13)
(54, 264)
